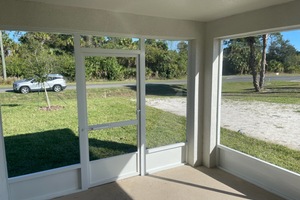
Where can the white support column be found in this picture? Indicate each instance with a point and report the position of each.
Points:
(82, 114)
(211, 100)
(220, 72)
(194, 104)
(4, 194)
(142, 109)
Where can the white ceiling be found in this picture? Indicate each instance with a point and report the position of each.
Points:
(198, 10)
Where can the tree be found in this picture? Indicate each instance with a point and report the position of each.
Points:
(263, 61)
(163, 62)
(251, 54)
(236, 56)
(3, 57)
(281, 51)
(8, 47)
(40, 59)
(252, 62)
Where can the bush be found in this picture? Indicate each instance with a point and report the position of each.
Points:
(129, 73)
(9, 80)
(103, 68)
(293, 69)
(15, 67)
(275, 66)
(66, 66)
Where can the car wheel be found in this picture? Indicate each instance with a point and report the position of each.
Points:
(57, 88)
(24, 90)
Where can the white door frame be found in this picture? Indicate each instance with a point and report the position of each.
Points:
(80, 54)
(3, 166)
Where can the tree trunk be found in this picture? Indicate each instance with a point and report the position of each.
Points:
(3, 57)
(251, 42)
(263, 62)
(47, 97)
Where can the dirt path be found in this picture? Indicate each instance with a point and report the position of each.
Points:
(267, 121)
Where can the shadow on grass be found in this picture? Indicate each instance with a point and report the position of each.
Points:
(11, 105)
(11, 91)
(104, 149)
(267, 90)
(163, 89)
(35, 152)
(282, 90)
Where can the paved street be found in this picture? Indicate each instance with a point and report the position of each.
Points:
(110, 85)
(176, 82)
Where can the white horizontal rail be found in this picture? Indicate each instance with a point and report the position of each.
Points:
(112, 125)
(167, 147)
(275, 179)
(43, 173)
(109, 52)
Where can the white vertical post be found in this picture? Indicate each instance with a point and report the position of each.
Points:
(219, 97)
(141, 88)
(211, 94)
(3, 167)
(194, 106)
(219, 91)
(3, 57)
(82, 114)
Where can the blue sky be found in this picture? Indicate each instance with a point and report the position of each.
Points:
(293, 37)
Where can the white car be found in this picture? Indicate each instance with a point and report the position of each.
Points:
(54, 82)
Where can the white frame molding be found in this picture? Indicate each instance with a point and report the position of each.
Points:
(98, 171)
(165, 157)
(270, 177)
(3, 166)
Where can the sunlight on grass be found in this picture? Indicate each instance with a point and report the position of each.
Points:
(38, 140)
(272, 153)
(274, 92)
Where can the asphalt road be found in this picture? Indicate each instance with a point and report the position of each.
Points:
(225, 79)
(110, 85)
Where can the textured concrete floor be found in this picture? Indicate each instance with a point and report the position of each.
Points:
(184, 183)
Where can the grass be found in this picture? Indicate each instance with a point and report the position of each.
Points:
(272, 153)
(38, 140)
(274, 92)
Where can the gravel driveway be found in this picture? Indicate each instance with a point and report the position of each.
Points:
(278, 123)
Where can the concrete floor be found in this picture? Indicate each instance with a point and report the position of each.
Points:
(184, 183)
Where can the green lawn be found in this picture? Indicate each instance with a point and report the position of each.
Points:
(272, 153)
(38, 140)
(275, 92)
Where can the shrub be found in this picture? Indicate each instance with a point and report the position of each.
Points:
(293, 69)
(8, 81)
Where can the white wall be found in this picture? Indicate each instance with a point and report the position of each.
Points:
(32, 15)
(269, 19)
